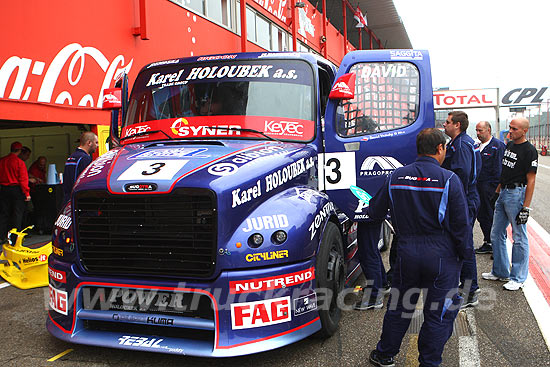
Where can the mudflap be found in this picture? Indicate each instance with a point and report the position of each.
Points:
(25, 267)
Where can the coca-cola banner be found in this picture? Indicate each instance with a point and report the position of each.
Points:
(37, 79)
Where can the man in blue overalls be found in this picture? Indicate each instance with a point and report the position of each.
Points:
(429, 213)
(464, 159)
(492, 151)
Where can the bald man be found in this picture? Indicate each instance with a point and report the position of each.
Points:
(492, 151)
(77, 161)
(515, 191)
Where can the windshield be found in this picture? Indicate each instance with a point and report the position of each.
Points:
(205, 100)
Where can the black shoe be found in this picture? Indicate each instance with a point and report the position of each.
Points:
(372, 302)
(486, 248)
(471, 300)
(376, 359)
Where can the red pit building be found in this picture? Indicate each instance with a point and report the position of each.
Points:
(58, 57)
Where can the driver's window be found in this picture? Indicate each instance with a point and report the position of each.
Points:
(386, 98)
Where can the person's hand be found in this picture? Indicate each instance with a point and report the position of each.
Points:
(28, 198)
(522, 216)
(494, 199)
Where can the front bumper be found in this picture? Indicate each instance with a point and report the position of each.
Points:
(240, 312)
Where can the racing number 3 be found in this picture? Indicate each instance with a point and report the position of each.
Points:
(156, 168)
(335, 170)
(153, 169)
(339, 170)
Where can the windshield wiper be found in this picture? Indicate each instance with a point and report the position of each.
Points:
(248, 131)
(146, 133)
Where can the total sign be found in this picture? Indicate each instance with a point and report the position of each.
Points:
(248, 315)
(450, 99)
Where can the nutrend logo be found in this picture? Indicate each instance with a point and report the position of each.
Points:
(379, 165)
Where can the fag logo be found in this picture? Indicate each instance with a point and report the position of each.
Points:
(249, 315)
(58, 300)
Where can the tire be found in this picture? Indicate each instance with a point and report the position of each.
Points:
(330, 278)
(385, 237)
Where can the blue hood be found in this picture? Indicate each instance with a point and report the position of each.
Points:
(220, 165)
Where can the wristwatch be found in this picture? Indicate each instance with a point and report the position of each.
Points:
(526, 207)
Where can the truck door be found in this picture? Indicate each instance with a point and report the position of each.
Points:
(372, 130)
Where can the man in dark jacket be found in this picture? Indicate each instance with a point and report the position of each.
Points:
(429, 213)
(463, 158)
(492, 151)
(77, 161)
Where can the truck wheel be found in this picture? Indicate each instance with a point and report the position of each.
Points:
(330, 275)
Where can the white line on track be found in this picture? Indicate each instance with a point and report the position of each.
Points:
(543, 166)
(535, 299)
(468, 352)
(4, 285)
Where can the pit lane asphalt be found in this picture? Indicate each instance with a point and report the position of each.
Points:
(506, 334)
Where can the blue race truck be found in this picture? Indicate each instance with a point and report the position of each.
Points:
(223, 222)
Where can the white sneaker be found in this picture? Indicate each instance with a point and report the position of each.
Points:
(512, 286)
(491, 276)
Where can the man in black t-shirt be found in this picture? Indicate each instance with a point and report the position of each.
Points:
(513, 197)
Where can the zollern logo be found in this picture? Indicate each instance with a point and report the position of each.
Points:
(140, 187)
(379, 165)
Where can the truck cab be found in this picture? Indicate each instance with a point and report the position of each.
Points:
(223, 222)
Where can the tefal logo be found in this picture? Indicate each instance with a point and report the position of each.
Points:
(248, 315)
(57, 275)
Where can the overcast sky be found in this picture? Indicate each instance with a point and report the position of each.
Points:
(482, 43)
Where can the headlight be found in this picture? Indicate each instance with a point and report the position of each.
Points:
(279, 237)
(255, 240)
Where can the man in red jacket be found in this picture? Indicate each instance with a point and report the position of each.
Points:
(14, 190)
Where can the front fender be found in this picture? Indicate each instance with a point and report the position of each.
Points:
(301, 212)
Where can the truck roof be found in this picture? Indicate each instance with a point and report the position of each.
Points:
(313, 58)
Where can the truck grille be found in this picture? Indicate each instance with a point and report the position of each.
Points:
(171, 235)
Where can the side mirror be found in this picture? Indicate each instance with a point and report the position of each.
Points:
(112, 98)
(116, 100)
(344, 87)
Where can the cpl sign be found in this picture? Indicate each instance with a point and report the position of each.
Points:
(525, 96)
(452, 99)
